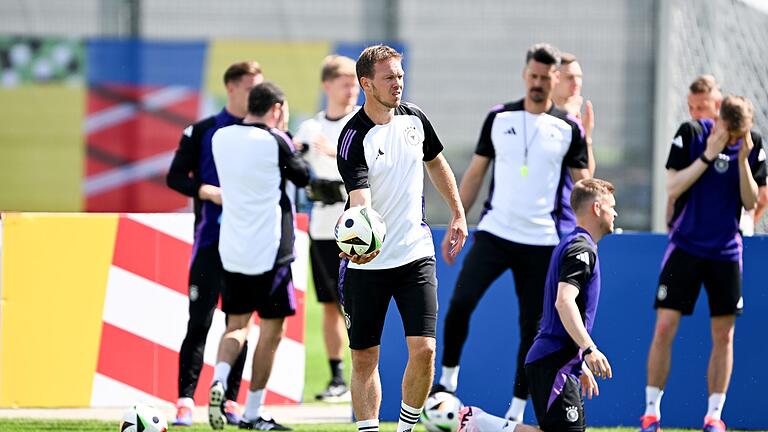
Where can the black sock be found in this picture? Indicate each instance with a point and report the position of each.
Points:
(337, 371)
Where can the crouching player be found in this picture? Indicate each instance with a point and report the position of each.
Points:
(562, 363)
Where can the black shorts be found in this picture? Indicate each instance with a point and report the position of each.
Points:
(324, 255)
(365, 296)
(206, 276)
(270, 294)
(682, 275)
(556, 393)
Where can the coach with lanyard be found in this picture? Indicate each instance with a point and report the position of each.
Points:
(535, 147)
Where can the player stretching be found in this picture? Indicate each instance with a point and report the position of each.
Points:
(563, 358)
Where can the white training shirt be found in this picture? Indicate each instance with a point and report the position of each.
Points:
(253, 162)
(323, 216)
(389, 159)
(530, 205)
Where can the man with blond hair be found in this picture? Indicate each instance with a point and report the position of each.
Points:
(318, 137)
(562, 363)
(714, 169)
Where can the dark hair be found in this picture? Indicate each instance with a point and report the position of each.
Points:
(372, 55)
(263, 96)
(704, 84)
(588, 190)
(736, 112)
(239, 70)
(567, 58)
(543, 53)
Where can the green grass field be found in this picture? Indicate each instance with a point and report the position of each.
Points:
(100, 426)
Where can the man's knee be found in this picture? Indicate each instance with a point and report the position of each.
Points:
(422, 350)
(667, 323)
(365, 360)
(238, 322)
(722, 331)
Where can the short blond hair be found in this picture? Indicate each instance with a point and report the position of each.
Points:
(335, 66)
(588, 191)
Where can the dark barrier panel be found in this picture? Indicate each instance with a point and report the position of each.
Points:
(623, 330)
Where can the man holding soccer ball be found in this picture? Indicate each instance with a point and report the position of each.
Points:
(380, 155)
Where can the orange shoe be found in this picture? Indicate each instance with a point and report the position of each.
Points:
(650, 423)
(713, 425)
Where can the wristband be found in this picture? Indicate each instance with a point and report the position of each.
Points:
(588, 351)
(705, 160)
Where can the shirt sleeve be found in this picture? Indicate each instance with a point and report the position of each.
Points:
(432, 144)
(679, 152)
(181, 175)
(577, 264)
(577, 156)
(350, 159)
(759, 168)
(292, 166)
(484, 143)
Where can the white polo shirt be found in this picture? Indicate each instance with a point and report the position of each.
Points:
(389, 160)
(529, 197)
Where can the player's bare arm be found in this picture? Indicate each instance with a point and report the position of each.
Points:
(473, 180)
(580, 173)
(360, 197)
(442, 177)
(209, 192)
(588, 121)
(571, 319)
(680, 181)
(747, 184)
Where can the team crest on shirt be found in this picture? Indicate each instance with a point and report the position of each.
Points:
(411, 135)
(661, 294)
(572, 414)
(721, 163)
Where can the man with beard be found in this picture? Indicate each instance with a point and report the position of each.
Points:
(534, 147)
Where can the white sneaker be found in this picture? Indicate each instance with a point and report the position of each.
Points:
(216, 417)
(466, 415)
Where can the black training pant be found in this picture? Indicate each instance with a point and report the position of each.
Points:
(206, 276)
(488, 258)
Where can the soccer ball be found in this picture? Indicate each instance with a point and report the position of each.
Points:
(441, 412)
(143, 418)
(360, 230)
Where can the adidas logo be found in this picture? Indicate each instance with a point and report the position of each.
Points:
(584, 257)
(510, 131)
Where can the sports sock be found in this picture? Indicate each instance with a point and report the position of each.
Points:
(337, 371)
(489, 422)
(450, 378)
(253, 404)
(368, 425)
(715, 405)
(185, 402)
(516, 410)
(221, 373)
(653, 401)
(408, 417)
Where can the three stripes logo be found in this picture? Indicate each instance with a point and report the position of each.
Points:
(583, 257)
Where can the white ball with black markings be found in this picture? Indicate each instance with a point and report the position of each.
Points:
(145, 418)
(360, 230)
(441, 412)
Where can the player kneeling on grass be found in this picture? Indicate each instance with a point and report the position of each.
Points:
(562, 363)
